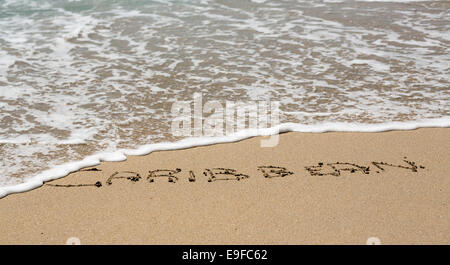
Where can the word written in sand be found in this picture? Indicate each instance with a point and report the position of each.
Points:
(228, 174)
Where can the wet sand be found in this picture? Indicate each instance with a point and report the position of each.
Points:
(327, 188)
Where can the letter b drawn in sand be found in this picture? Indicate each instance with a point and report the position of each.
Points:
(274, 171)
(228, 173)
(163, 173)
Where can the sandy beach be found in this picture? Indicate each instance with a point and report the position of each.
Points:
(325, 188)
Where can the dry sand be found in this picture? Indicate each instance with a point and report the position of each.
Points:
(396, 205)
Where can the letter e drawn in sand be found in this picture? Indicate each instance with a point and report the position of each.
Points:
(229, 173)
(274, 171)
(163, 173)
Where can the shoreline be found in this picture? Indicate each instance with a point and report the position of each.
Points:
(326, 188)
(65, 169)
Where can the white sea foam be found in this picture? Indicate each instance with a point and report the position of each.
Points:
(81, 76)
(120, 155)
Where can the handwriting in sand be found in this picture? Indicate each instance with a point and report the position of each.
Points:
(229, 174)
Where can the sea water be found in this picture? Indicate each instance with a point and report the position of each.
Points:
(88, 80)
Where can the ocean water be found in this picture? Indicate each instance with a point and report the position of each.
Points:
(83, 80)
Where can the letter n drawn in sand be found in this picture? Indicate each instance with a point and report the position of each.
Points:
(163, 173)
(130, 175)
(228, 173)
(274, 171)
(412, 165)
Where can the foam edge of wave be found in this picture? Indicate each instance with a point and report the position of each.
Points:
(120, 155)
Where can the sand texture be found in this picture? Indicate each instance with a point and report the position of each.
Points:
(325, 188)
